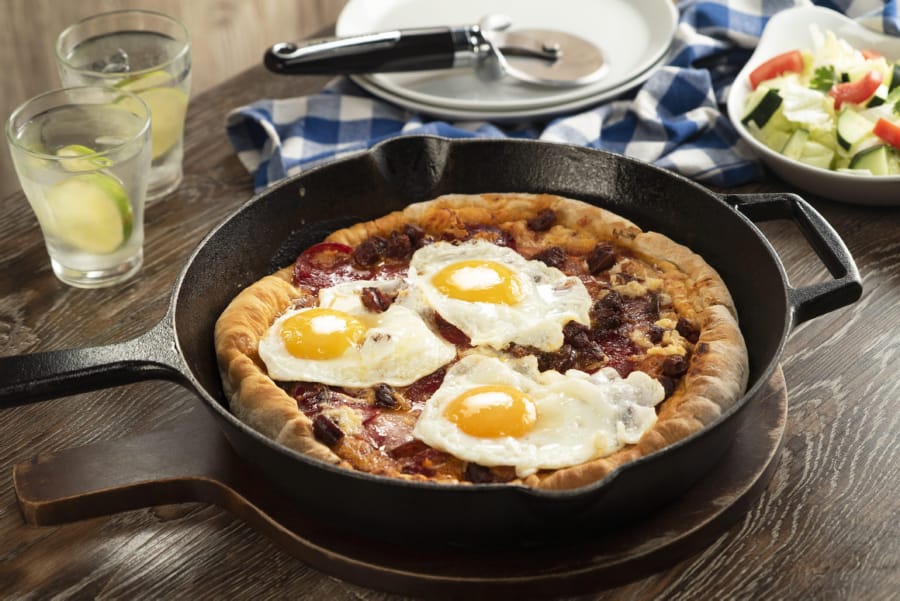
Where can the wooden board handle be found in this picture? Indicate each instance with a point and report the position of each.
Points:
(190, 462)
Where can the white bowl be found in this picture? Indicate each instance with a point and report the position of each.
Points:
(789, 30)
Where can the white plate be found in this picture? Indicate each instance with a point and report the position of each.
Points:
(789, 30)
(507, 115)
(632, 34)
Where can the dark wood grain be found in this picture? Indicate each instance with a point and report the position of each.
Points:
(827, 527)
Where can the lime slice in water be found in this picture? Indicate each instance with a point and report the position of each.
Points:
(167, 110)
(77, 163)
(145, 81)
(91, 212)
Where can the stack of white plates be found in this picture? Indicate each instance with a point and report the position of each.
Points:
(634, 36)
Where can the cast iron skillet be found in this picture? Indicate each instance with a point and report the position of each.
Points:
(269, 231)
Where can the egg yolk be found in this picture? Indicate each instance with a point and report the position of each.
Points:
(321, 333)
(479, 281)
(492, 411)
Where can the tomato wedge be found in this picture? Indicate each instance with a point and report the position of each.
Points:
(856, 91)
(870, 54)
(788, 62)
(887, 131)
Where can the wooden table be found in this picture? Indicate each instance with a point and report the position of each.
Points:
(825, 528)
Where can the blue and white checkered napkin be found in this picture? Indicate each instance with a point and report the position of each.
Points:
(673, 120)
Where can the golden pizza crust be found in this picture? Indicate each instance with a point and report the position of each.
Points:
(716, 378)
(254, 398)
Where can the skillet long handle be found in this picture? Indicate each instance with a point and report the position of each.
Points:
(816, 299)
(37, 377)
(398, 50)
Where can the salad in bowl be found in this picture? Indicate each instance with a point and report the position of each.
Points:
(819, 101)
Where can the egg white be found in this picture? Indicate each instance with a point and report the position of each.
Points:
(549, 298)
(398, 347)
(579, 416)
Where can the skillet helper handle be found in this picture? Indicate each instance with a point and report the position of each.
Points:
(816, 299)
(37, 377)
(389, 51)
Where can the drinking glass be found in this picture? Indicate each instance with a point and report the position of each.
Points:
(83, 160)
(143, 52)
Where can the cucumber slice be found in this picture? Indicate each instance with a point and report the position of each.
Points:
(866, 142)
(875, 160)
(851, 127)
(842, 163)
(893, 163)
(894, 96)
(895, 77)
(816, 155)
(824, 137)
(793, 148)
(775, 138)
(879, 97)
(800, 147)
(772, 137)
(761, 107)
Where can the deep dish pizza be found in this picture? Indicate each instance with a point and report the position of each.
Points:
(520, 338)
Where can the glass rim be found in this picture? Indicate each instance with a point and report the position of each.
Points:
(14, 142)
(185, 46)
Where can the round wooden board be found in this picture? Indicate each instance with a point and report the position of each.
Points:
(194, 463)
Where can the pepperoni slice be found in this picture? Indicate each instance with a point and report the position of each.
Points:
(618, 349)
(325, 264)
(330, 263)
(451, 333)
(422, 389)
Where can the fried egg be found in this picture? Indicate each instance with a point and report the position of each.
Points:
(341, 343)
(496, 296)
(495, 412)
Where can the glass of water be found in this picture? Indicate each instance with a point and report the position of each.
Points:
(142, 52)
(83, 159)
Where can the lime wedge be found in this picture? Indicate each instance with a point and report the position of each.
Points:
(77, 163)
(145, 81)
(91, 212)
